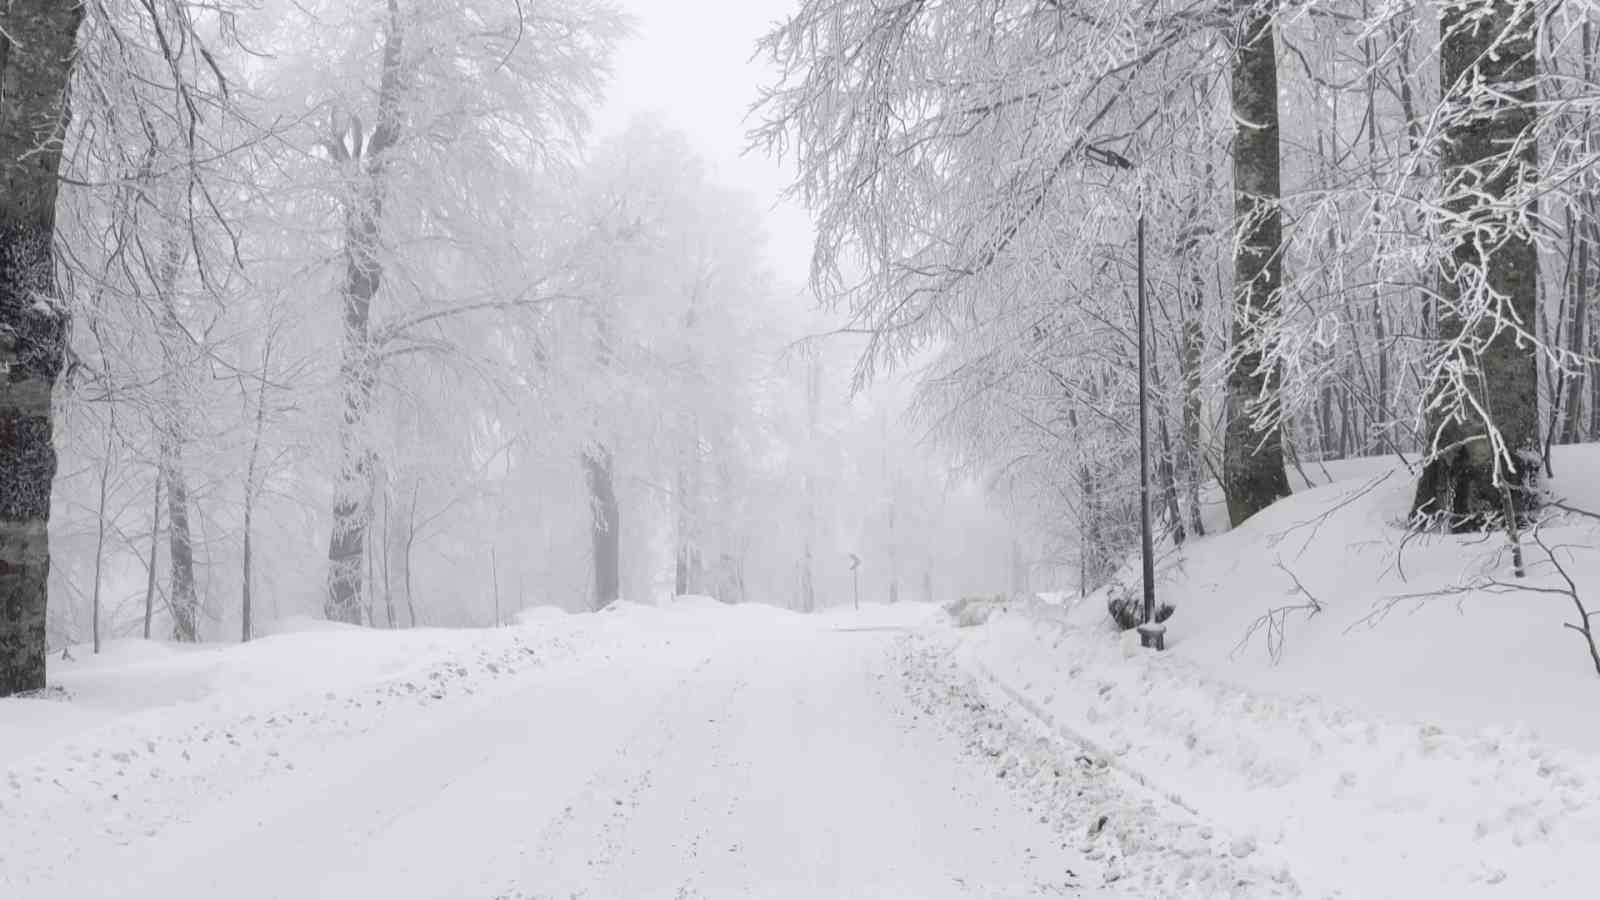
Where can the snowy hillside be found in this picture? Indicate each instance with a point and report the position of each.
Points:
(1390, 744)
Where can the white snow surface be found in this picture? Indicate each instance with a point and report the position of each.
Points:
(693, 751)
(1444, 747)
(1401, 743)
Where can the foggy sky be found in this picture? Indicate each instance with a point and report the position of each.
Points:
(689, 65)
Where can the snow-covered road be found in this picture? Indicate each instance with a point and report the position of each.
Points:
(786, 760)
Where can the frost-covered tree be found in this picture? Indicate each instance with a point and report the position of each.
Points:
(37, 41)
(422, 110)
(1252, 464)
(1484, 402)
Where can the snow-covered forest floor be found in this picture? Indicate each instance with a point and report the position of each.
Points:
(1448, 746)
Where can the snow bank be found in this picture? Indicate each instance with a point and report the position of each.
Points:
(1144, 841)
(540, 615)
(126, 744)
(1389, 740)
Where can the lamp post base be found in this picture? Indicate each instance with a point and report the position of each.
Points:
(1153, 634)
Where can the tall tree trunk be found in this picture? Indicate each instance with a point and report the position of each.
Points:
(405, 556)
(494, 581)
(388, 543)
(1252, 464)
(1579, 334)
(184, 599)
(100, 523)
(1192, 358)
(1166, 471)
(36, 58)
(605, 530)
(1578, 339)
(808, 579)
(246, 612)
(1487, 50)
(150, 570)
(689, 576)
(352, 500)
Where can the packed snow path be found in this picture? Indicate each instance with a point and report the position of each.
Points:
(787, 760)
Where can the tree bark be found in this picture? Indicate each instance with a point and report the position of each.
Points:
(100, 523)
(1579, 333)
(150, 571)
(605, 531)
(184, 599)
(808, 578)
(246, 612)
(1252, 465)
(689, 577)
(36, 60)
(352, 501)
(1192, 358)
(405, 556)
(1487, 43)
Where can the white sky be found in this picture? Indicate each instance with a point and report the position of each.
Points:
(689, 64)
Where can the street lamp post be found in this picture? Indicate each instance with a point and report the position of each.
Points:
(1151, 632)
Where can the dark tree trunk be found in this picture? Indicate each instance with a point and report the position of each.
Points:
(1166, 470)
(1492, 43)
(597, 468)
(352, 501)
(1578, 339)
(1252, 464)
(1192, 359)
(36, 58)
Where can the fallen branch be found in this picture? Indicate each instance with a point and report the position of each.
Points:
(1584, 626)
(1316, 522)
(1276, 620)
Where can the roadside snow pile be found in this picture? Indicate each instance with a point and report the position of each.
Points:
(1331, 692)
(971, 611)
(141, 732)
(1379, 808)
(1145, 844)
(1346, 605)
(540, 615)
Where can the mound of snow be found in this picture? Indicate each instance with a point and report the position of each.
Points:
(1333, 691)
(540, 615)
(696, 601)
(302, 624)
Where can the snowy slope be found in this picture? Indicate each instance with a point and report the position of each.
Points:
(1435, 746)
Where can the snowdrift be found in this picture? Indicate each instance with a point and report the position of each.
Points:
(1328, 693)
